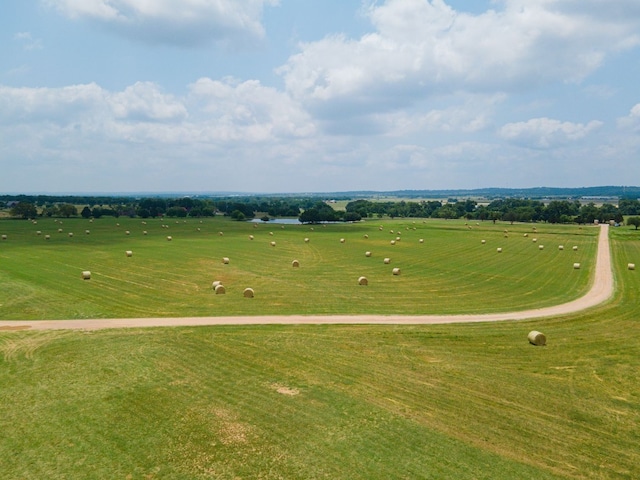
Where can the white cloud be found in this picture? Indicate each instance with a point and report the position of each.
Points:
(181, 22)
(145, 102)
(546, 133)
(424, 49)
(27, 40)
(631, 121)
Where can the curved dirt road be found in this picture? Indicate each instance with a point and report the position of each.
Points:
(601, 290)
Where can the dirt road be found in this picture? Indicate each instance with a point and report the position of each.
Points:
(601, 290)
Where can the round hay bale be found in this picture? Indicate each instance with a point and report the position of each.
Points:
(127, 232)
(499, 250)
(59, 230)
(576, 266)
(537, 338)
(295, 264)
(71, 234)
(86, 275)
(398, 239)
(225, 260)
(483, 242)
(129, 253)
(248, 293)
(47, 237)
(366, 236)
(363, 281)
(631, 266)
(169, 238)
(342, 240)
(144, 232)
(534, 240)
(526, 234)
(271, 233)
(215, 284)
(560, 247)
(250, 237)
(306, 240)
(38, 232)
(4, 237)
(387, 261)
(575, 248)
(393, 242)
(220, 233)
(273, 244)
(367, 254)
(396, 271)
(506, 236)
(540, 247)
(87, 232)
(421, 240)
(220, 290)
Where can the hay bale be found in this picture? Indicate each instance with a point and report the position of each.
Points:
(363, 281)
(576, 266)
(575, 248)
(220, 233)
(248, 293)
(219, 289)
(396, 271)
(4, 237)
(393, 242)
(129, 253)
(631, 266)
(225, 260)
(127, 232)
(86, 275)
(47, 237)
(215, 284)
(273, 244)
(387, 261)
(306, 240)
(540, 247)
(342, 240)
(271, 233)
(483, 242)
(560, 247)
(499, 250)
(295, 264)
(144, 232)
(71, 234)
(366, 236)
(59, 230)
(38, 232)
(250, 237)
(169, 238)
(421, 240)
(534, 240)
(367, 254)
(87, 232)
(526, 234)
(537, 338)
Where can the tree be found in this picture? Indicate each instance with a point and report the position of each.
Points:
(86, 212)
(635, 221)
(67, 210)
(24, 210)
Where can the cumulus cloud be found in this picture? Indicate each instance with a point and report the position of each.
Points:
(424, 49)
(27, 41)
(631, 121)
(178, 22)
(546, 133)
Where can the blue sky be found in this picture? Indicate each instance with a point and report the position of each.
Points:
(278, 96)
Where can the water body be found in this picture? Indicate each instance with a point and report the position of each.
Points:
(283, 221)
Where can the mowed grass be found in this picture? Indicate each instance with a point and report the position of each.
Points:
(471, 401)
(451, 272)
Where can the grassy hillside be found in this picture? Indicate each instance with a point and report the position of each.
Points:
(451, 272)
(469, 401)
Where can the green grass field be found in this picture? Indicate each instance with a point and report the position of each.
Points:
(451, 272)
(471, 401)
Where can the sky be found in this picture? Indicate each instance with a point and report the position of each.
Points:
(288, 96)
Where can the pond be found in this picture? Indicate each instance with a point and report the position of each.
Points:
(284, 221)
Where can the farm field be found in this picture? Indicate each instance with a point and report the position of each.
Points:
(471, 401)
(451, 272)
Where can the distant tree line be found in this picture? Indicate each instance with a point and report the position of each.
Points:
(315, 210)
